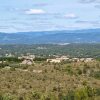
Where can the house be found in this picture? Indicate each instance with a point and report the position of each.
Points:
(9, 55)
(2, 62)
(82, 59)
(75, 59)
(54, 60)
(58, 59)
(63, 58)
(88, 59)
(27, 62)
(27, 59)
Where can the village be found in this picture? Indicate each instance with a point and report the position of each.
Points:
(28, 59)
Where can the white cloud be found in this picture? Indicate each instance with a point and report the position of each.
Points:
(34, 11)
(89, 1)
(70, 16)
(95, 23)
(97, 6)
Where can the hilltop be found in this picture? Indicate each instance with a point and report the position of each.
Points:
(64, 36)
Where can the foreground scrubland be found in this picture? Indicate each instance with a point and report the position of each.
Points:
(51, 81)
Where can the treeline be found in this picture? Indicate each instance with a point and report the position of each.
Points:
(9, 59)
(74, 50)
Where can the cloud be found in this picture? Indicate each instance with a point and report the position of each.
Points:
(94, 23)
(40, 4)
(70, 16)
(4, 27)
(34, 11)
(89, 1)
(97, 6)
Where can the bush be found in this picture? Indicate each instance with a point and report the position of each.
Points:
(69, 70)
(79, 72)
(36, 96)
(97, 91)
(5, 97)
(97, 74)
(10, 59)
(81, 94)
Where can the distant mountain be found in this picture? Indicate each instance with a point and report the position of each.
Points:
(75, 36)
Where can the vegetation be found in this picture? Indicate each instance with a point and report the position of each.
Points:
(62, 81)
(74, 50)
(43, 80)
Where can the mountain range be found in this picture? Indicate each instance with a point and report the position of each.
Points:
(64, 36)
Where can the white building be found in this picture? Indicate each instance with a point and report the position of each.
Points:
(54, 60)
(27, 62)
(88, 59)
(58, 59)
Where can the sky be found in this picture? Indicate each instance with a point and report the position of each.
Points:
(47, 15)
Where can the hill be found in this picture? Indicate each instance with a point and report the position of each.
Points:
(74, 36)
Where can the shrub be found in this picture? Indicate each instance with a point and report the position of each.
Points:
(97, 74)
(69, 70)
(79, 72)
(97, 91)
(36, 96)
(81, 94)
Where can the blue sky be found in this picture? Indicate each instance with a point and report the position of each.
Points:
(43, 15)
